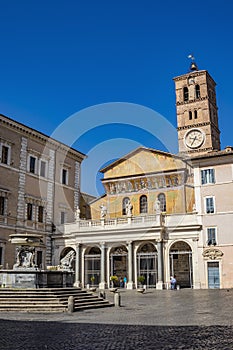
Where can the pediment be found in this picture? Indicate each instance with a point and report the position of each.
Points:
(143, 161)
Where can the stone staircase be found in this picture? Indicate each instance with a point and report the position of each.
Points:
(49, 299)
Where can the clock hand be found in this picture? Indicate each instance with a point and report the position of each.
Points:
(194, 139)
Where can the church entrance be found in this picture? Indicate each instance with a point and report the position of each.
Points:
(119, 263)
(181, 264)
(147, 264)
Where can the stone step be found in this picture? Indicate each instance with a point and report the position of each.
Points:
(49, 295)
(52, 307)
(42, 291)
(48, 299)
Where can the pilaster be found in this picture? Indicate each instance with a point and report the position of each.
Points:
(22, 180)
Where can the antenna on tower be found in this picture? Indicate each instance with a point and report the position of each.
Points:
(193, 65)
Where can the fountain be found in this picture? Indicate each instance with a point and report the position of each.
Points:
(25, 272)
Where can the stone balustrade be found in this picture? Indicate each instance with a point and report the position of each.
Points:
(170, 221)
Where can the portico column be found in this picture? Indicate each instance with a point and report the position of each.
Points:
(77, 282)
(102, 284)
(130, 266)
(159, 284)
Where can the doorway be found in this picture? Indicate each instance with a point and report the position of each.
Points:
(213, 275)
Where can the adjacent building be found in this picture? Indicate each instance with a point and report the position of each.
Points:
(39, 187)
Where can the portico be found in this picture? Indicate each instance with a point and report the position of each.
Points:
(122, 249)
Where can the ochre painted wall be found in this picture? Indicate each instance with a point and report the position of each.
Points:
(143, 162)
(138, 164)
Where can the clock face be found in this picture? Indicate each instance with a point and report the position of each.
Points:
(191, 81)
(194, 138)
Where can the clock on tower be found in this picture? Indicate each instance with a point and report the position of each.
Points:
(197, 112)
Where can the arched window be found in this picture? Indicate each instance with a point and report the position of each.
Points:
(124, 205)
(195, 114)
(186, 93)
(143, 204)
(190, 115)
(162, 199)
(197, 91)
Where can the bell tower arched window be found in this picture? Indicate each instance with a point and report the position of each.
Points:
(197, 91)
(162, 200)
(124, 205)
(190, 115)
(186, 93)
(195, 114)
(143, 204)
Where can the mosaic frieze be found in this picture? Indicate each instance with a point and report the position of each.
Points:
(141, 184)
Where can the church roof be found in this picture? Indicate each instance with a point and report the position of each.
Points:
(134, 152)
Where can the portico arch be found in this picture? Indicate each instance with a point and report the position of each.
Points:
(92, 260)
(119, 262)
(147, 263)
(181, 264)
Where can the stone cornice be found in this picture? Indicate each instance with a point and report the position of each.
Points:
(40, 137)
(192, 101)
(191, 126)
(194, 74)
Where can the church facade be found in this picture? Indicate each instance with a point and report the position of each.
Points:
(162, 214)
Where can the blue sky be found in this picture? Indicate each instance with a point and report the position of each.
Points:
(60, 57)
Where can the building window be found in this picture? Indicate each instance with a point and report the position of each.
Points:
(190, 115)
(124, 205)
(43, 168)
(162, 200)
(211, 236)
(197, 91)
(195, 114)
(186, 93)
(5, 156)
(39, 258)
(2, 205)
(207, 176)
(63, 217)
(40, 213)
(64, 176)
(143, 204)
(1, 256)
(32, 164)
(29, 211)
(210, 205)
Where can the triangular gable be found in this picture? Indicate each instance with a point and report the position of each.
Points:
(143, 161)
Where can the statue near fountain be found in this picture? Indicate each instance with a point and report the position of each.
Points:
(25, 258)
(25, 248)
(66, 262)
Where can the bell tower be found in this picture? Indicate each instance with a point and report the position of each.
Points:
(197, 112)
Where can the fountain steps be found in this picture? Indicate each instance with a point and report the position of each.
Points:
(48, 299)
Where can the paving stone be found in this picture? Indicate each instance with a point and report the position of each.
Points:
(186, 319)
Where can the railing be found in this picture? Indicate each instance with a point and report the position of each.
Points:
(170, 220)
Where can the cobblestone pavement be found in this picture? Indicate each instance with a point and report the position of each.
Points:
(185, 319)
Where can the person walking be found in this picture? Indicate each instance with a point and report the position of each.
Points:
(173, 282)
(125, 281)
